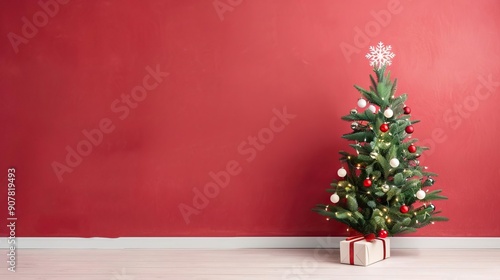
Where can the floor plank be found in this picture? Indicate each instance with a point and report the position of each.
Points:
(92, 264)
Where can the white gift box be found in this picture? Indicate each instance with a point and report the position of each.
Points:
(359, 251)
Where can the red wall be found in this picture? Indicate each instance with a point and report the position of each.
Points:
(226, 73)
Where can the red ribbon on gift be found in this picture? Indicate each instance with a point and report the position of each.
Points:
(369, 237)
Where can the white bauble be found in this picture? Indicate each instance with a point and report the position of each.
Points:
(361, 103)
(372, 108)
(334, 198)
(385, 188)
(394, 162)
(388, 113)
(420, 194)
(342, 172)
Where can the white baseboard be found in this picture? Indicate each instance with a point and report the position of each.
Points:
(241, 242)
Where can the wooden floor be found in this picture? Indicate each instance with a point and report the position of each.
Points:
(248, 264)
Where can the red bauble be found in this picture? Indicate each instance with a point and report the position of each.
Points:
(367, 183)
(384, 127)
(406, 110)
(404, 209)
(382, 233)
(409, 129)
(412, 148)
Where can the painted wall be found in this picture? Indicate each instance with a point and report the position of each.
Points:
(117, 113)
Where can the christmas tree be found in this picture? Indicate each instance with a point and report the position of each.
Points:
(383, 190)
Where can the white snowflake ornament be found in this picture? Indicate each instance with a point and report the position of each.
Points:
(380, 55)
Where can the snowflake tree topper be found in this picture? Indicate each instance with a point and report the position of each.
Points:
(380, 55)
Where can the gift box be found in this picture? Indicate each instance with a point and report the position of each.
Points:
(360, 251)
